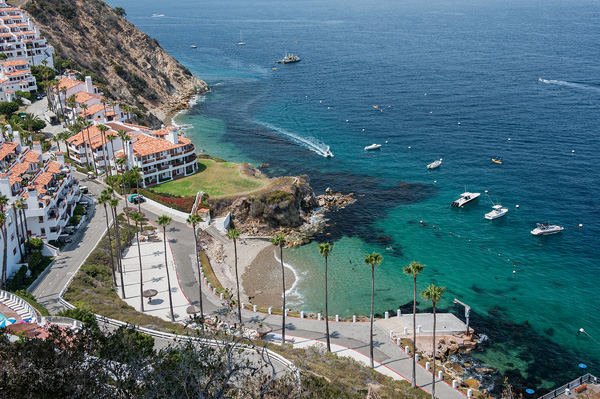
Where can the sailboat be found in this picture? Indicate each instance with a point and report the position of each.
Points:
(241, 42)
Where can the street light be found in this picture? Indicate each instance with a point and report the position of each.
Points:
(467, 313)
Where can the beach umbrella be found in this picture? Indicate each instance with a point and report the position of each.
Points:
(193, 309)
(264, 330)
(7, 322)
(149, 294)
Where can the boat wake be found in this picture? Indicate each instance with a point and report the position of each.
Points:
(310, 143)
(570, 84)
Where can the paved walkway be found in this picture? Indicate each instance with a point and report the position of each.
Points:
(155, 277)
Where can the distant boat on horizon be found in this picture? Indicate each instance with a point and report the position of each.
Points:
(241, 42)
(288, 59)
(193, 46)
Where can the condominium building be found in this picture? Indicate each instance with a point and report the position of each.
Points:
(161, 155)
(15, 76)
(20, 39)
(91, 147)
(46, 187)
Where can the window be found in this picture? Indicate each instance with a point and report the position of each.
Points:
(15, 251)
(43, 231)
(41, 219)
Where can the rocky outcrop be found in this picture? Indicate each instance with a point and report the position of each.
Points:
(289, 205)
(130, 66)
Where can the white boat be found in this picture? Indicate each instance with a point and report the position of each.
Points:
(373, 147)
(464, 199)
(544, 229)
(328, 154)
(193, 46)
(157, 15)
(498, 212)
(241, 42)
(435, 164)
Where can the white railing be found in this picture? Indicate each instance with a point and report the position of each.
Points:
(573, 384)
(8, 299)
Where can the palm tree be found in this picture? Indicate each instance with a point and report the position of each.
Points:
(64, 136)
(233, 234)
(103, 129)
(86, 125)
(3, 203)
(21, 206)
(121, 163)
(279, 241)
(3, 228)
(373, 260)
(104, 200)
(433, 294)
(164, 221)
(56, 139)
(137, 173)
(194, 220)
(114, 202)
(72, 104)
(413, 270)
(127, 109)
(325, 249)
(137, 218)
(62, 110)
(14, 207)
(110, 137)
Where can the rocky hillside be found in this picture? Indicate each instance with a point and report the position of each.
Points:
(130, 65)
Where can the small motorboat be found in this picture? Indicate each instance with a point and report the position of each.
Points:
(328, 154)
(497, 160)
(241, 42)
(465, 198)
(373, 147)
(193, 46)
(498, 212)
(544, 229)
(435, 164)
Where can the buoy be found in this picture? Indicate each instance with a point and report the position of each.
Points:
(435, 182)
(363, 130)
(572, 151)
(516, 206)
(431, 112)
(346, 120)
(328, 107)
(459, 123)
(305, 96)
(486, 191)
(425, 94)
(420, 221)
(509, 139)
(514, 272)
(409, 147)
(320, 101)
(580, 225)
(386, 142)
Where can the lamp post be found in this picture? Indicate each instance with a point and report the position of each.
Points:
(467, 313)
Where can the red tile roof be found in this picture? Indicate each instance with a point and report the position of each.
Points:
(7, 148)
(92, 109)
(69, 83)
(83, 97)
(14, 63)
(32, 156)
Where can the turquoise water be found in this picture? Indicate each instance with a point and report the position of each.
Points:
(427, 66)
(2, 317)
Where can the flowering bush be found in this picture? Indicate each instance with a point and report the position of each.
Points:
(183, 204)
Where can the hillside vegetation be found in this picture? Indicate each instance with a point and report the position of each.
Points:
(129, 65)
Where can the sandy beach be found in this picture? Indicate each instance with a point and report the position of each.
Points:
(259, 271)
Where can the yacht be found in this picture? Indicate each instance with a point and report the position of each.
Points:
(498, 212)
(241, 42)
(288, 59)
(544, 229)
(435, 164)
(373, 147)
(193, 46)
(464, 199)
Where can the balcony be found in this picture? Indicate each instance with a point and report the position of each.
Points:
(163, 167)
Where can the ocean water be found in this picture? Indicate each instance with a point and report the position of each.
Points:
(460, 80)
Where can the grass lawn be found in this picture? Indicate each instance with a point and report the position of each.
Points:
(214, 178)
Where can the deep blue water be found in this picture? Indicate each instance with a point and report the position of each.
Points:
(426, 66)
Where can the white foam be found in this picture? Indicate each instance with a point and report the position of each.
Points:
(311, 143)
(569, 84)
(294, 286)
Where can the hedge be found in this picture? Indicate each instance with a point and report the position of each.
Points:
(183, 204)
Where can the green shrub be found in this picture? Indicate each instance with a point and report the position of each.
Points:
(79, 210)
(83, 315)
(36, 244)
(18, 279)
(279, 196)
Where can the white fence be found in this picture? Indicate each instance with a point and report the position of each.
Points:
(19, 305)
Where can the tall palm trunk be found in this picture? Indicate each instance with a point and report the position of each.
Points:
(112, 259)
(17, 228)
(137, 191)
(283, 308)
(372, 303)
(199, 271)
(23, 231)
(4, 260)
(127, 214)
(26, 231)
(119, 252)
(414, 368)
(237, 282)
(327, 310)
(141, 273)
(168, 278)
(434, 348)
